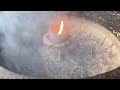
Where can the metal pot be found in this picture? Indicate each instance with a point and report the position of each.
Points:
(24, 39)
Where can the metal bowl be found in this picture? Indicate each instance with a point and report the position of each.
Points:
(23, 50)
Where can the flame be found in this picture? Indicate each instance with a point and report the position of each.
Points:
(61, 27)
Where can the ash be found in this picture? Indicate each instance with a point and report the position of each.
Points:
(94, 50)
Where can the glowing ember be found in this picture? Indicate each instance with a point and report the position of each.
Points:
(61, 27)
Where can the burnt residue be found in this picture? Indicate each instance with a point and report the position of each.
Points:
(109, 19)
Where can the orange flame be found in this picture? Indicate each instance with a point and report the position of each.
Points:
(61, 27)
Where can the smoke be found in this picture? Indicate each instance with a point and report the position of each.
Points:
(21, 39)
(21, 35)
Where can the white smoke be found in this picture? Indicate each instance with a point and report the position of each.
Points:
(22, 38)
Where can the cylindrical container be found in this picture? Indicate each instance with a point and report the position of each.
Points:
(58, 34)
(57, 38)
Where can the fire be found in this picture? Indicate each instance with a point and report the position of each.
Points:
(58, 27)
(61, 27)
